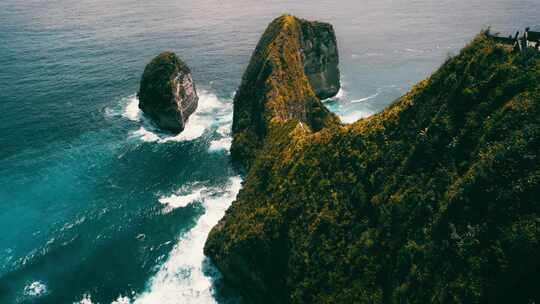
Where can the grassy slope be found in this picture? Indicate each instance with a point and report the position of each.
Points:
(434, 200)
(274, 89)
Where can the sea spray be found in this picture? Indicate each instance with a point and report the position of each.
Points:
(181, 198)
(187, 276)
(208, 113)
(35, 289)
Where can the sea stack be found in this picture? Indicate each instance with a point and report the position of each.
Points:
(167, 93)
(294, 65)
(279, 100)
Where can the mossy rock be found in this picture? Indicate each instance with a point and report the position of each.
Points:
(167, 93)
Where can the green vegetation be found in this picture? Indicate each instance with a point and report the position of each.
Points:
(156, 83)
(275, 88)
(434, 200)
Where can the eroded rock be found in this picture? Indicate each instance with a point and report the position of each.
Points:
(167, 93)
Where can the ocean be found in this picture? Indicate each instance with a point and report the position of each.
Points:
(98, 206)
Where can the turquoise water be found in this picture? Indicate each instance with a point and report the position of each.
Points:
(97, 206)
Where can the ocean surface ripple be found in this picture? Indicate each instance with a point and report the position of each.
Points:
(97, 205)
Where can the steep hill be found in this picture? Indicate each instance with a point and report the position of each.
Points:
(294, 59)
(434, 200)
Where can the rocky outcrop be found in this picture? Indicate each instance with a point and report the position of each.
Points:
(167, 93)
(276, 86)
(433, 200)
(294, 65)
(321, 59)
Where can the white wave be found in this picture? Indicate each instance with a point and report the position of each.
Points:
(145, 135)
(340, 95)
(225, 124)
(220, 144)
(182, 279)
(366, 98)
(132, 111)
(382, 89)
(224, 129)
(121, 300)
(197, 124)
(35, 289)
(86, 299)
(180, 199)
(208, 102)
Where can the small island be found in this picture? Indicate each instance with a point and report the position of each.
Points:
(167, 93)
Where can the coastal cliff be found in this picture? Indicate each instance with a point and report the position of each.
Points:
(321, 58)
(167, 93)
(433, 200)
(276, 86)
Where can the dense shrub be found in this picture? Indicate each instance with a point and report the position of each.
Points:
(434, 200)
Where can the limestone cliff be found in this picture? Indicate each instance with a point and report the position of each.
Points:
(321, 59)
(276, 85)
(434, 200)
(167, 93)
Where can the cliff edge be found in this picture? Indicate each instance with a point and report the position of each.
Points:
(433, 200)
(293, 62)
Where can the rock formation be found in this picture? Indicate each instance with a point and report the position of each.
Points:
(433, 200)
(167, 93)
(321, 60)
(276, 86)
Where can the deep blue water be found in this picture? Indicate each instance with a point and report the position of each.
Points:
(95, 204)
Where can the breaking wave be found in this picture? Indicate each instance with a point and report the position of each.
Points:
(366, 98)
(186, 195)
(187, 276)
(208, 112)
(35, 289)
(87, 299)
(223, 144)
(381, 90)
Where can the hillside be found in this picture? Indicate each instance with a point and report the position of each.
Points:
(276, 87)
(433, 200)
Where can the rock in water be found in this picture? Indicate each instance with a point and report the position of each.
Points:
(167, 93)
(321, 58)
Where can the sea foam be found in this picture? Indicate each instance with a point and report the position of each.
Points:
(87, 299)
(181, 198)
(35, 289)
(366, 98)
(187, 276)
(198, 123)
(223, 144)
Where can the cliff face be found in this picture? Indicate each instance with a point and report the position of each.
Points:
(321, 59)
(434, 200)
(276, 85)
(167, 93)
